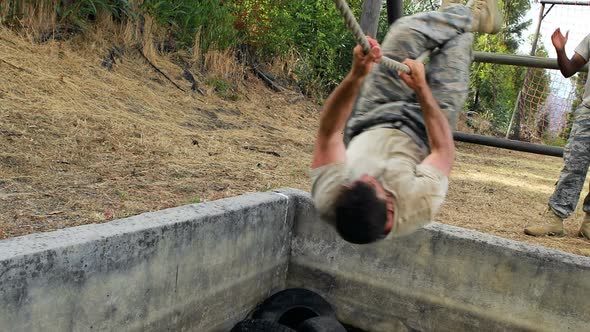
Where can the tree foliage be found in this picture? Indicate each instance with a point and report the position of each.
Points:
(187, 19)
(494, 88)
(312, 32)
(514, 22)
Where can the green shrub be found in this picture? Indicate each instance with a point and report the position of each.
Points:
(553, 140)
(209, 19)
(314, 30)
(82, 11)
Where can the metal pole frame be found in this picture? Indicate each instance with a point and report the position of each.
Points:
(566, 3)
(509, 144)
(519, 60)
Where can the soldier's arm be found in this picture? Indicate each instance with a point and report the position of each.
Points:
(442, 146)
(567, 66)
(329, 145)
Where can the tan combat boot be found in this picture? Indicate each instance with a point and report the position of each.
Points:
(486, 16)
(585, 228)
(553, 226)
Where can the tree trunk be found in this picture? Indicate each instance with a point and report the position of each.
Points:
(370, 17)
(475, 105)
(516, 132)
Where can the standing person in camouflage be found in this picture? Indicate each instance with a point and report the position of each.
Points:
(576, 154)
(388, 174)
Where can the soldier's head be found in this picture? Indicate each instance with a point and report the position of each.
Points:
(363, 211)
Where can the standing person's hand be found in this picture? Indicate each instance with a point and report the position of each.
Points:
(416, 79)
(363, 63)
(559, 40)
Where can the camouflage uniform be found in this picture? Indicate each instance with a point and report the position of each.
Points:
(576, 157)
(576, 154)
(385, 100)
(385, 134)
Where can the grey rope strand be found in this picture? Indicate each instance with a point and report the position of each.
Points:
(361, 39)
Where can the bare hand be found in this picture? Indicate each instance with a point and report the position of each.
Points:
(416, 80)
(559, 40)
(363, 63)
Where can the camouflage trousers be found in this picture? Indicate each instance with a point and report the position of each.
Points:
(576, 156)
(447, 71)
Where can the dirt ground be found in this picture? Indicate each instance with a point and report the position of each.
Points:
(80, 145)
(499, 192)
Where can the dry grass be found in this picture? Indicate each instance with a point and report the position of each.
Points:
(35, 15)
(82, 145)
(500, 192)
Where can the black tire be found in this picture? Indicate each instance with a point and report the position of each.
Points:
(293, 306)
(321, 324)
(258, 325)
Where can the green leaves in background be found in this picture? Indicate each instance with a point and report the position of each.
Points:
(310, 33)
(187, 19)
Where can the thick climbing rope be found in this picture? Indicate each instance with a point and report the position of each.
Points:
(361, 39)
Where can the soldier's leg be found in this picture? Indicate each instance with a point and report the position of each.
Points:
(448, 75)
(409, 37)
(576, 161)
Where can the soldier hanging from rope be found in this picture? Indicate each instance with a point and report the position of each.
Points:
(384, 147)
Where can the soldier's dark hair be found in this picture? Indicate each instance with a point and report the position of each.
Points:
(360, 215)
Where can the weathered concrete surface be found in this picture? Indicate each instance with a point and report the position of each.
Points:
(204, 267)
(194, 268)
(442, 278)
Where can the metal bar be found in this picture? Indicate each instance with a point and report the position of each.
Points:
(519, 60)
(395, 10)
(534, 47)
(567, 3)
(548, 10)
(546, 150)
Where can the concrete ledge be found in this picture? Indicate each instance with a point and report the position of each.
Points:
(204, 267)
(194, 268)
(441, 278)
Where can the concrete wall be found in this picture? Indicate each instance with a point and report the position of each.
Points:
(194, 268)
(204, 267)
(441, 278)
